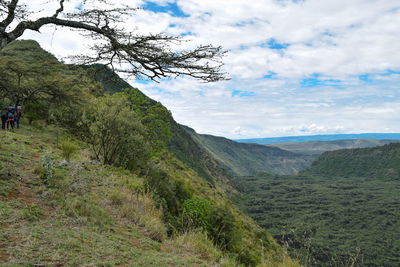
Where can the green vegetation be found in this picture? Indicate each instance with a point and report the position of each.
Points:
(124, 196)
(342, 211)
(376, 162)
(68, 149)
(165, 131)
(247, 159)
(113, 131)
(72, 218)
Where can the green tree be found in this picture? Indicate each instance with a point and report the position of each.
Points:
(47, 89)
(114, 132)
(154, 116)
(24, 81)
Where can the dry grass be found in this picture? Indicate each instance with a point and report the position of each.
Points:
(141, 210)
(194, 243)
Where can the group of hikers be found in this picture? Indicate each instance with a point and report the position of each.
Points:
(10, 117)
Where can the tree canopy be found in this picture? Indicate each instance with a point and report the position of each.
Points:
(152, 56)
(29, 75)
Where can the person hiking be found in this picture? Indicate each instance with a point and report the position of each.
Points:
(4, 117)
(10, 119)
(18, 115)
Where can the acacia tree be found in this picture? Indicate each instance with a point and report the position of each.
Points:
(26, 82)
(148, 55)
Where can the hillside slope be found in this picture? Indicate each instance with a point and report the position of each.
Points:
(383, 161)
(152, 210)
(81, 213)
(244, 159)
(319, 147)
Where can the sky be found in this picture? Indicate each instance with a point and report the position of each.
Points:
(297, 67)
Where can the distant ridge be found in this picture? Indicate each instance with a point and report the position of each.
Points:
(308, 138)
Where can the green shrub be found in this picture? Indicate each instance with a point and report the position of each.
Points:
(196, 213)
(40, 171)
(114, 132)
(169, 194)
(48, 168)
(68, 149)
(217, 221)
(222, 227)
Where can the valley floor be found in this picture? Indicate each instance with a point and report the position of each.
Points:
(329, 221)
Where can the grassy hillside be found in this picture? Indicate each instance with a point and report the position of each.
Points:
(247, 159)
(141, 206)
(82, 213)
(383, 161)
(319, 147)
(342, 211)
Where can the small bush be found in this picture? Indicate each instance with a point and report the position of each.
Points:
(68, 149)
(169, 193)
(38, 125)
(216, 220)
(196, 213)
(48, 168)
(136, 186)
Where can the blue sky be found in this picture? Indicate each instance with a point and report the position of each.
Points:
(170, 8)
(296, 67)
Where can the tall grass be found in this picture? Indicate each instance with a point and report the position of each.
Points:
(68, 149)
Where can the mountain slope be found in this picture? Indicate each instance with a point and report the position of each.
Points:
(318, 147)
(149, 213)
(247, 159)
(383, 161)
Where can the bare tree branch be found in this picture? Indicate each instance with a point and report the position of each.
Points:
(11, 14)
(150, 56)
(61, 9)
